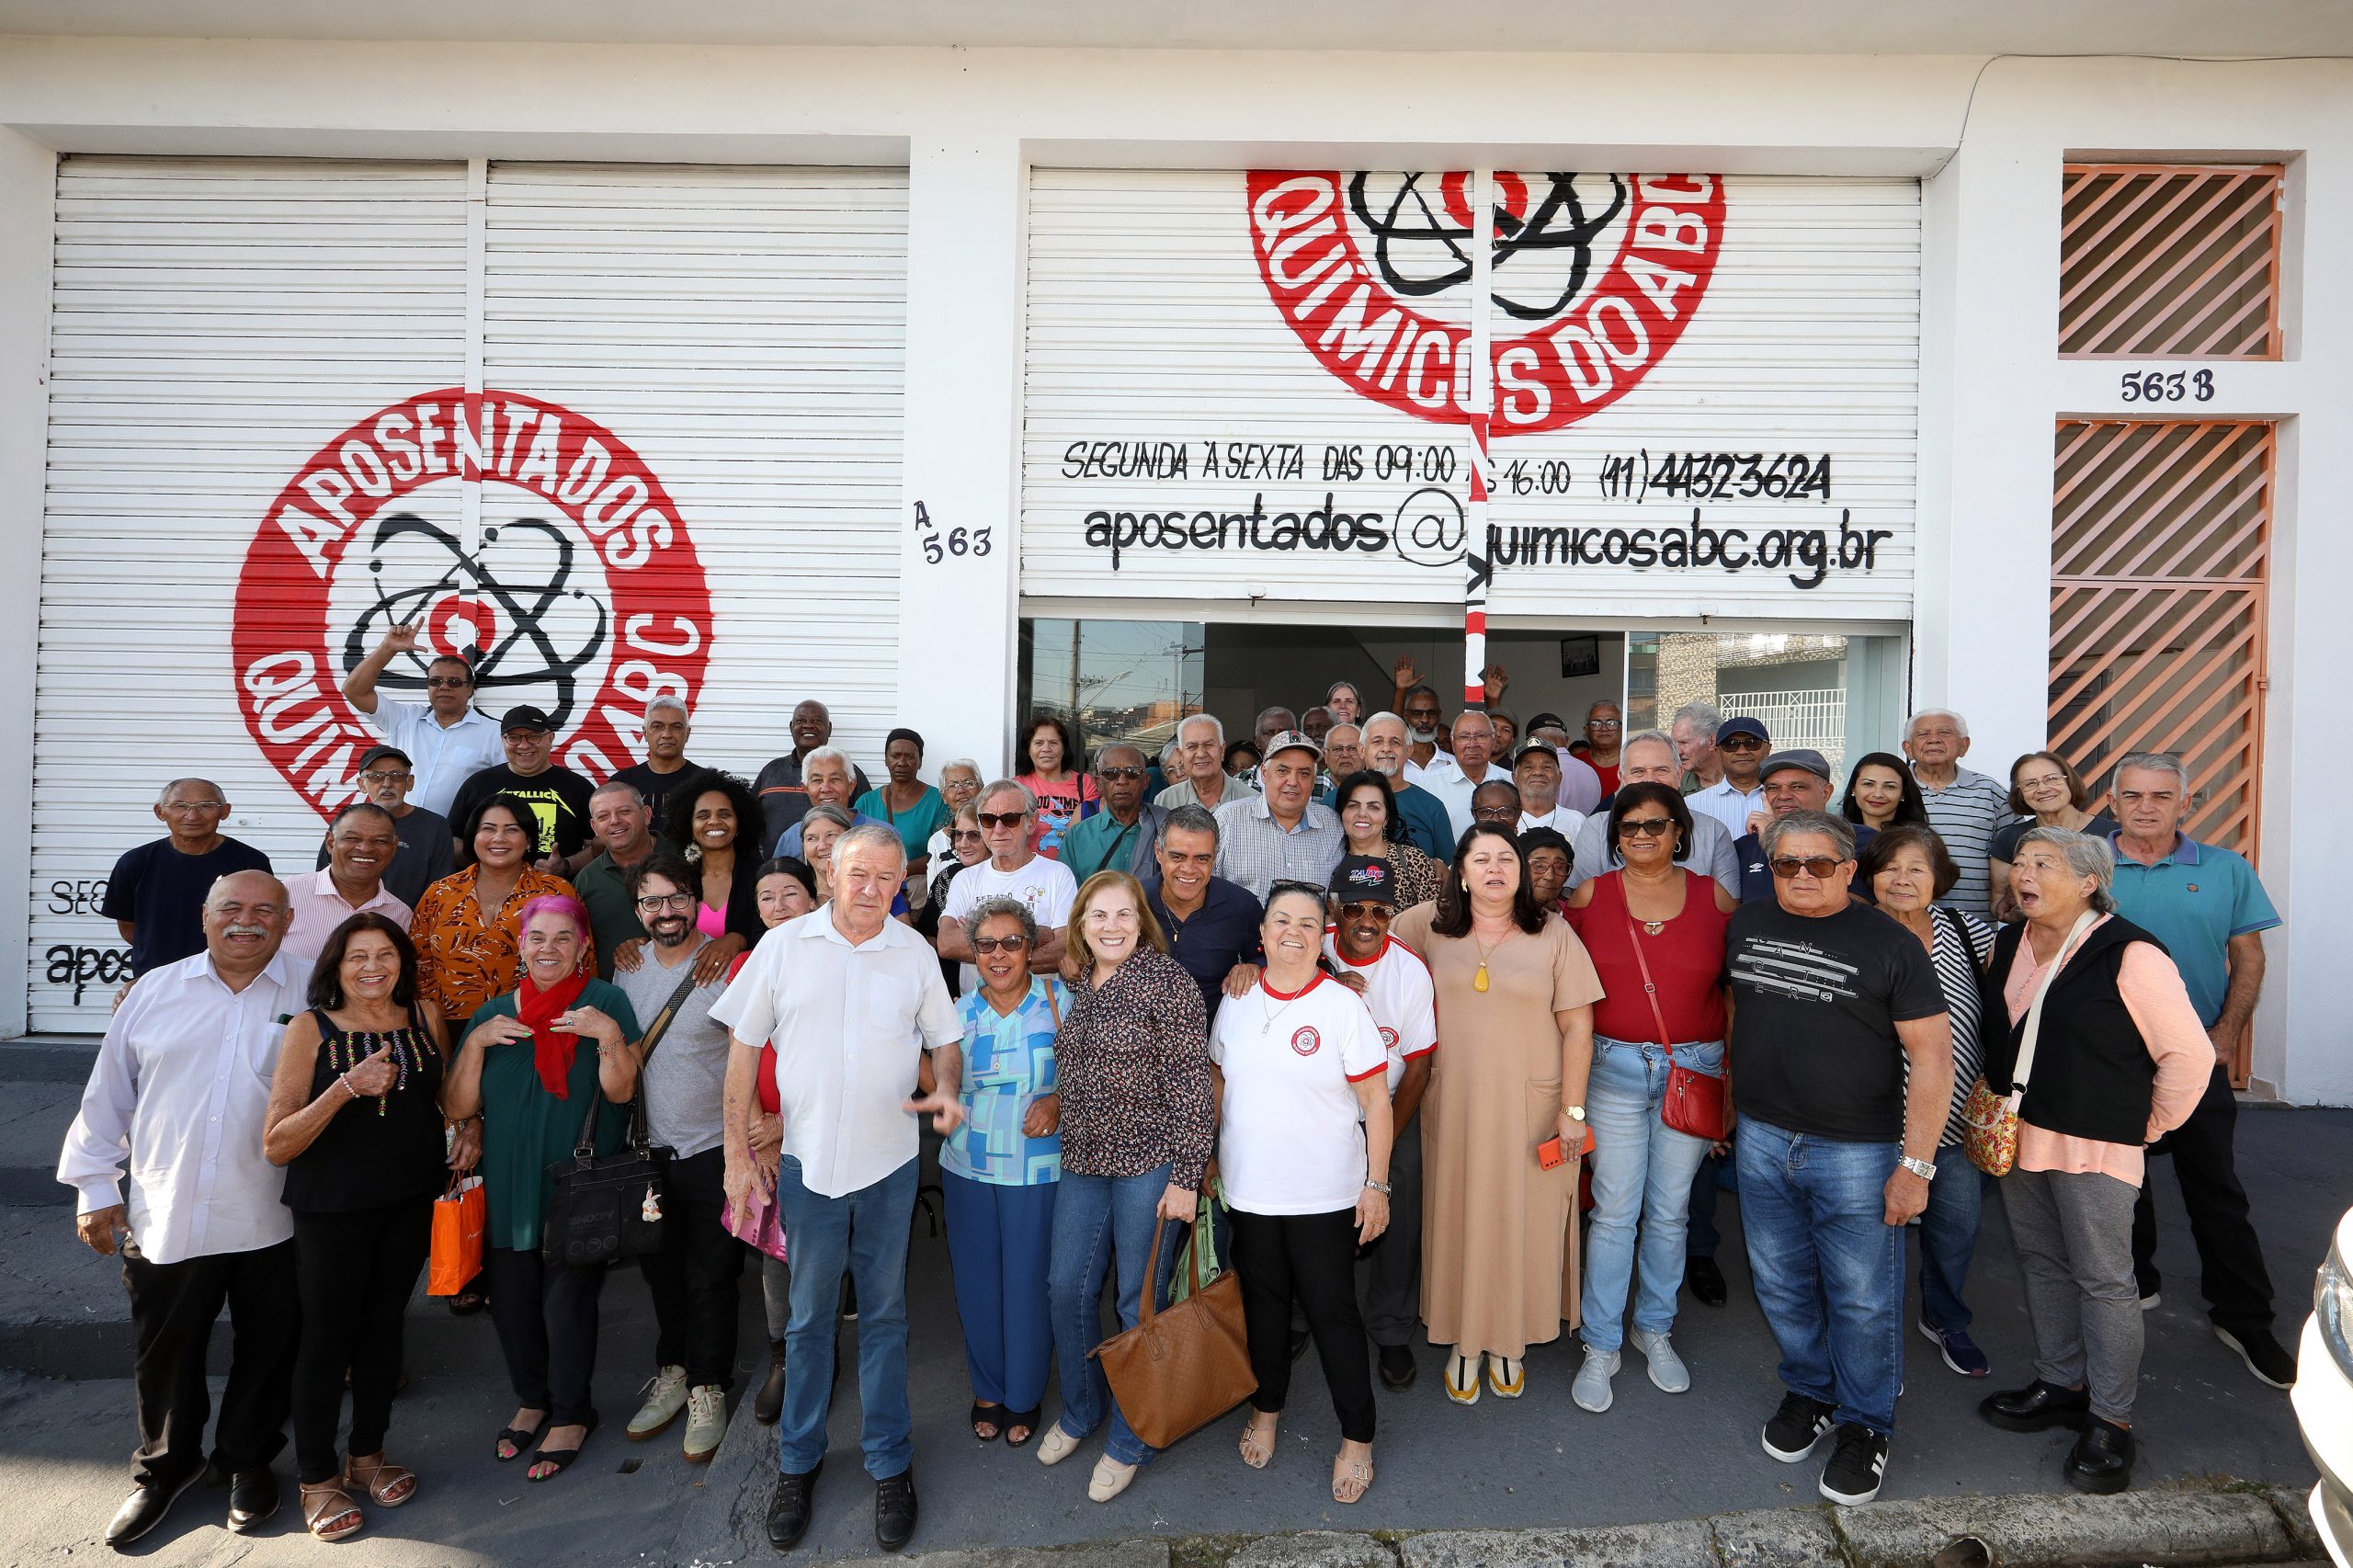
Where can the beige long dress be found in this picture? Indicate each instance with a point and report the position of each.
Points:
(1499, 1243)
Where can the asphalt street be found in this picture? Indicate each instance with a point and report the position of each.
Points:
(65, 1422)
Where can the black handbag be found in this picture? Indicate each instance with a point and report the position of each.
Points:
(608, 1206)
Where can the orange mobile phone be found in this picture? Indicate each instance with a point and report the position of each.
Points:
(1549, 1154)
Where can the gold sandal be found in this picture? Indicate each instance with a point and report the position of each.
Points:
(1360, 1472)
(388, 1486)
(1256, 1452)
(328, 1511)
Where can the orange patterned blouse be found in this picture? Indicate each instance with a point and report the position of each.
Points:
(464, 958)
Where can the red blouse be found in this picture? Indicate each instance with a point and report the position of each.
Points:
(1687, 961)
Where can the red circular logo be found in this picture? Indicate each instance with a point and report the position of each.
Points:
(1594, 277)
(1304, 1040)
(581, 594)
(1387, 1037)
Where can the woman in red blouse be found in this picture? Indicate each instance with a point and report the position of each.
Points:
(1656, 934)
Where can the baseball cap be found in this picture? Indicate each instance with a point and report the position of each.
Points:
(1743, 725)
(1804, 757)
(1543, 720)
(1290, 740)
(375, 754)
(1361, 879)
(525, 718)
(1535, 748)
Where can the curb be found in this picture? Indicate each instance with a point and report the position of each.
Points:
(2219, 1521)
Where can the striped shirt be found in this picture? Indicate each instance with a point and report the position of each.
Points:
(1965, 815)
(1964, 944)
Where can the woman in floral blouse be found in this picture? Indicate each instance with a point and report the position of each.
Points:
(464, 925)
(1138, 1122)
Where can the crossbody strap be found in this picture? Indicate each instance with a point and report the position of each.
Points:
(2025, 1065)
(1650, 991)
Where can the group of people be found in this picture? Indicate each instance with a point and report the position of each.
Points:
(1367, 1006)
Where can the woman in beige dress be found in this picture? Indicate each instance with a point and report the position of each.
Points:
(1515, 1010)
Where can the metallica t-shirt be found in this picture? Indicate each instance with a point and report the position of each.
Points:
(1816, 1003)
(558, 795)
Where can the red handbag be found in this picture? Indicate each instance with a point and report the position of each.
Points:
(1696, 1103)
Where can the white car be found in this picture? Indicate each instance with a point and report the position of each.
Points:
(2324, 1394)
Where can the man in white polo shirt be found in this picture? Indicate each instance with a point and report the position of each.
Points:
(1398, 991)
(446, 740)
(852, 1000)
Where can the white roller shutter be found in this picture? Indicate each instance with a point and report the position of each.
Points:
(213, 323)
(1175, 409)
(744, 329)
(263, 447)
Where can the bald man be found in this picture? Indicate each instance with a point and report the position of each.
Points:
(155, 896)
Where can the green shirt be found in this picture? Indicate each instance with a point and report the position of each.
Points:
(915, 824)
(1098, 843)
(612, 917)
(525, 1129)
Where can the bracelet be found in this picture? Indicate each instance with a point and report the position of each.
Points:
(345, 1079)
(1380, 1187)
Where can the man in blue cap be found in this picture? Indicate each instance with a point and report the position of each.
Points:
(1741, 744)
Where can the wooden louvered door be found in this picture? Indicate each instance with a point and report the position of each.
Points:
(2160, 559)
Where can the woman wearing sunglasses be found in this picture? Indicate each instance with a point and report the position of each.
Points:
(999, 1172)
(1655, 932)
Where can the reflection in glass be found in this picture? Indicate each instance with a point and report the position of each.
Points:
(1840, 695)
(1128, 680)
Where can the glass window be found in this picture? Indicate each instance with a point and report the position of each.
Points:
(1840, 695)
(1126, 680)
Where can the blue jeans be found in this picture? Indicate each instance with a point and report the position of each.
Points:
(1099, 1222)
(1642, 1172)
(1828, 1271)
(998, 1239)
(863, 1233)
(1949, 1237)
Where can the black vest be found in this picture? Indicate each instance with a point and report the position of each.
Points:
(2093, 1075)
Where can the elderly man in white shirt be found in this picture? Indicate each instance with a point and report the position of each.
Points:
(360, 848)
(178, 1094)
(1453, 779)
(445, 741)
(852, 1000)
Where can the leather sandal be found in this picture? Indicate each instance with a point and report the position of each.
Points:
(328, 1511)
(387, 1485)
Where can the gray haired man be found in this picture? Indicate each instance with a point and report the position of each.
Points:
(1212, 924)
(666, 731)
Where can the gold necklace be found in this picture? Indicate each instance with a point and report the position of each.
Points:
(1479, 980)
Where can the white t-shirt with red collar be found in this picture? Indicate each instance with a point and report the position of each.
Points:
(1397, 989)
(1292, 1138)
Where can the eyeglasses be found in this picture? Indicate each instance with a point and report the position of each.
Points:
(447, 683)
(1605, 724)
(1109, 774)
(181, 808)
(961, 833)
(380, 778)
(1648, 828)
(1741, 743)
(1818, 867)
(2046, 781)
(1002, 819)
(991, 944)
(1494, 813)
(657, 902)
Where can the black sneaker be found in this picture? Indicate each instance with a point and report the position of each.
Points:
(894, 1510)
(1398, 1368)
(1856, 1464)
(850, 1300)
(1796, 1428)
(1706, 1282)
(2264, 1355)
(789, 1509)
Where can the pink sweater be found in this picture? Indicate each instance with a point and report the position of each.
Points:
(2153, 994)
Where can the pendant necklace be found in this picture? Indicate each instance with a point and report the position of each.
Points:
(1267, 1024)
(1479, 980)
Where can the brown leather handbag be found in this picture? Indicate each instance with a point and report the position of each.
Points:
(1179, 1369)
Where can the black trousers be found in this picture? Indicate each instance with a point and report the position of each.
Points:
(693, 1277)
(1311, 1259)
(356, 1270)
(2236, 1285)
(547, 1330)
(173, 1307)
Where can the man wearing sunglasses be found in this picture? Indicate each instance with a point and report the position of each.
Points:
(1794, 780)
(1119, 837)
(1742, 746)
(447, 741)
(1016, 870)
(1846, 1077)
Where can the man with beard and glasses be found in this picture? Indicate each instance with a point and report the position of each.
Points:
(179, 1094)
(692, 1280)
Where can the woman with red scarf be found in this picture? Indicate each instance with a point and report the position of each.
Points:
(532, 1062)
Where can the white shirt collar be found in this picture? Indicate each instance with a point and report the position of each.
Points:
(818, 925)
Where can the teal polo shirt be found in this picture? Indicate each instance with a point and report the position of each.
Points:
(2194, 901)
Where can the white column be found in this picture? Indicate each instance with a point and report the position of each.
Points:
(957, 613)
(28, 208)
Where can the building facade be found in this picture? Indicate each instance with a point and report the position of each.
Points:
(941, 383)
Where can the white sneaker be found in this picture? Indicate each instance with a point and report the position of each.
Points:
(1667, 1370)
(1591, 1390)
(664, 1397)
(706, 1422)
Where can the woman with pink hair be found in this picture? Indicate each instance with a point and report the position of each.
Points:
(534, 1061)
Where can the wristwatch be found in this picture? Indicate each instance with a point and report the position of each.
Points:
(1924, 1169)
(1380, 1187)
(1573, 1112)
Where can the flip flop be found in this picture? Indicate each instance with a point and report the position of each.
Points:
(520, 1439)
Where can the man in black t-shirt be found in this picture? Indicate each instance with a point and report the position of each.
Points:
(558, 796)
(1833, 1001)
(155, 896)
(384, 777)
(665, 755)
(783, 797)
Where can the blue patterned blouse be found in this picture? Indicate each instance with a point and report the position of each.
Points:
(1008, 1063)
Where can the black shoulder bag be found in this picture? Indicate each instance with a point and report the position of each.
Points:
(608, 1206)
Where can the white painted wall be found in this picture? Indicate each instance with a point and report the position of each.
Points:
(27, 205)
(1988, 139)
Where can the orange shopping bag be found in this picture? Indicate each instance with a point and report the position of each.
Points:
(459, 1216)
